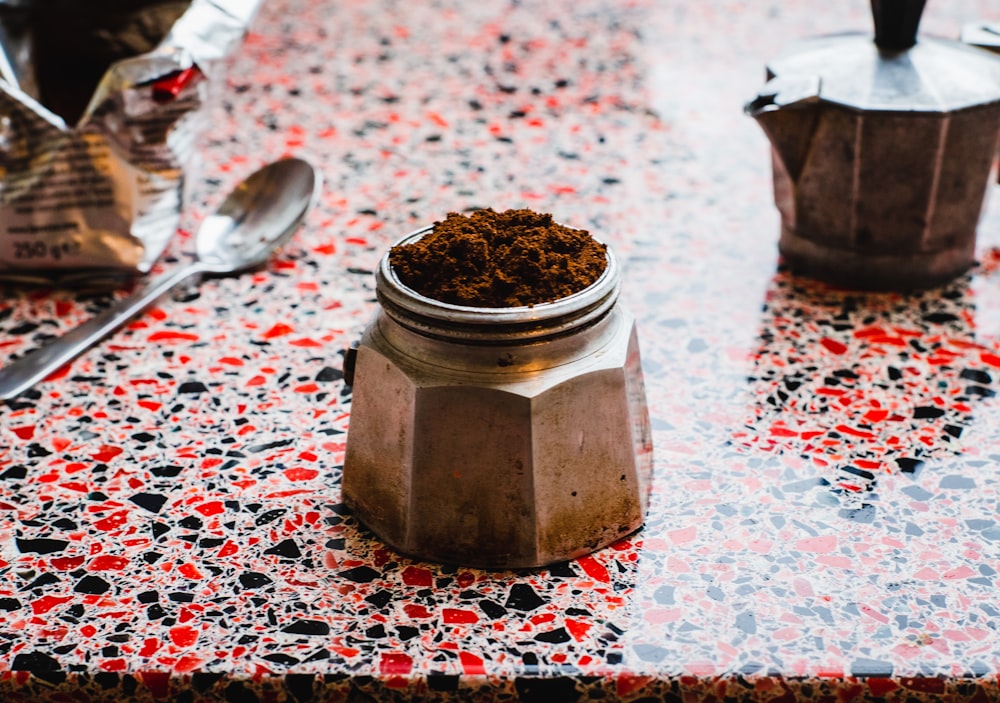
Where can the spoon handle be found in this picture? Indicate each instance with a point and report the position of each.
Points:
(29, 369)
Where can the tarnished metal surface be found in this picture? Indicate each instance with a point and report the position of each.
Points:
(467, 448)
(100, 199)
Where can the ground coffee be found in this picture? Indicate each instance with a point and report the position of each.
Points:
(499, 259)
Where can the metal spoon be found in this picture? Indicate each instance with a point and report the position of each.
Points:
(259, 216)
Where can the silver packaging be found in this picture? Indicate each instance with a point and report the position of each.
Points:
(97, 202)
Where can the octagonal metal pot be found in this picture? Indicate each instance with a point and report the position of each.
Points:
(883, 148)
(498, 437)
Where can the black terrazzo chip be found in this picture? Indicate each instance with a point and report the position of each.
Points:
(318, 655)
(307, 627)
(14, 473)
(40, 546)
(492, 610)
(42, 581)
(523, 597)
(360, 574)
(405, 632)
(252, 579)
(908, 465)
(328, 374)
(286, 548)
(940, 317)
(23, 328)
(380, 598)
(269, 516)
(976, 376)
(557, 636)
(257, 448)
(93, 585)
(34, 662)
(190, 523)
(150, 501)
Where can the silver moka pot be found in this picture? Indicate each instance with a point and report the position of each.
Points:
(882, 151)
(498, 437)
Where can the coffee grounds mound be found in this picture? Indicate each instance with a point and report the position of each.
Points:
(494, 259)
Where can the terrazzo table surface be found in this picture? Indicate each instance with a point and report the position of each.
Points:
(824, 518)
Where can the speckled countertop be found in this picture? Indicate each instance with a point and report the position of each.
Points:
(824, 519)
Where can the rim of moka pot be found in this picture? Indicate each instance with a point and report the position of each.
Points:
(515, 324)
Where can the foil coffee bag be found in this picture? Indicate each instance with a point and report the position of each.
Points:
(101, 107)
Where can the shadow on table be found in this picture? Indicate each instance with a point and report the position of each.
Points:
(859, 384)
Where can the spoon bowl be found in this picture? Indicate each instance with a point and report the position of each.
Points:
(258, 217)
